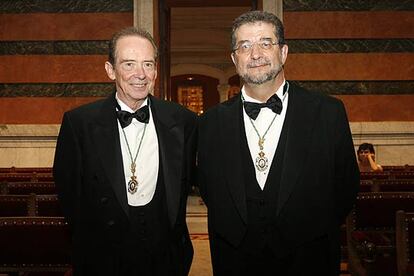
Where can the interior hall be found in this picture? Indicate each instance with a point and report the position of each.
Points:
(52, 60)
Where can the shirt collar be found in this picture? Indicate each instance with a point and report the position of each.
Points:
(279, 93)
(127, 108)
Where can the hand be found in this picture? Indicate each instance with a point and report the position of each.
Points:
(371, 156)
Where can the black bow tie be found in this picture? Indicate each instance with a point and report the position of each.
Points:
(253, 109)
(125, 117)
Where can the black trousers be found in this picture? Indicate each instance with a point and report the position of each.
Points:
(312, 258)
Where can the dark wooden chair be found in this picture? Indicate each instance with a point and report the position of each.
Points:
(47, 205)
(26, 177)
(34, 244)
(371, 232)
(387, 185)
(403, 175)
(406, 168)
(367, 186)
(25, 188)
(26, 170)
(394, 185)
(17, 205)
(405, 243)
(374, 175)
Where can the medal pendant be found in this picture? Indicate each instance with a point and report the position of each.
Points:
(133, 185)
(261, 162)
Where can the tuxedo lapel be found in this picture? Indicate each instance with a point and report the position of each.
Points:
(171, 145)
(302, 110)
(230, 131)
(106, 137)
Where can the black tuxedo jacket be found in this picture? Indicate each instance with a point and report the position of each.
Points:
(319, 179)
(89, 176)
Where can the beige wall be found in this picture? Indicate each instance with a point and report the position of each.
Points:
(34, 145)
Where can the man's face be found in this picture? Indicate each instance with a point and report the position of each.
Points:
(258, 66)
(134, 70)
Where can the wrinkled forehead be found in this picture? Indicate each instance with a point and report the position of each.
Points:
(134, 46)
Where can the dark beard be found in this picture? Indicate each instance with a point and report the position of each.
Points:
(263, 78)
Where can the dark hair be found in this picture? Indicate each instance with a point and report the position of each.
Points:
(258, 16)
(130, 31)
(366, 146)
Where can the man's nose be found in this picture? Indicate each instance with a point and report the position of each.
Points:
(255, 51)
(139, 71)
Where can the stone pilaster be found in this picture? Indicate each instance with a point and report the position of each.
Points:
(274, 6)
(223, 90)
(144, 15)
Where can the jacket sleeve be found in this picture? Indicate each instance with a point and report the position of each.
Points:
(190, 150)
(346, 168)
(66, 169)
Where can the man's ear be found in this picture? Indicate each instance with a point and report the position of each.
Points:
(110, 71)
(284, 53)
(233, 58)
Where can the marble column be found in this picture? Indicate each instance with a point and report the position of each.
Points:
(275, 7)
(223, 89)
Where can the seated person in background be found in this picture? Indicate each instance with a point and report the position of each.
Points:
(366, 159)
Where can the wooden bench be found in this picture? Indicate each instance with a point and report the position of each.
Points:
(26, 170)
(387, 185)
(371, 232)
(26, 188)
(387, 175)
(26, 177)
(17, 205)
(403, 168)
(29, 205)
(34, 244)
(47, 205)
(405, 243)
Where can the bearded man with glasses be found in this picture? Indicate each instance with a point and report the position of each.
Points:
(276, 165)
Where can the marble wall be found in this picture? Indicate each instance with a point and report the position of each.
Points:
(34, 145)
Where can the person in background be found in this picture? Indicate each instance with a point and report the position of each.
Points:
(366, 159)
(123, 168)
(276, 165)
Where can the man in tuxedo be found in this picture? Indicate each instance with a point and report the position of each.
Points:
(277, 168)
(123, 168)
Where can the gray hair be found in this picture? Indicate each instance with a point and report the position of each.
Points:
(258, 16)
(130, 31)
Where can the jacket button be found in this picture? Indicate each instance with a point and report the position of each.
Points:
(104, 200)
(110, 222)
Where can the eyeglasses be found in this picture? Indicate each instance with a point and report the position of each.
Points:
(246, 46)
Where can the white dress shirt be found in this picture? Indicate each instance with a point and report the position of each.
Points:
(262, 122)
(147, 162)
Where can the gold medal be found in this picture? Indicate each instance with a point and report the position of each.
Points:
(261, 162)
(133, 185)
